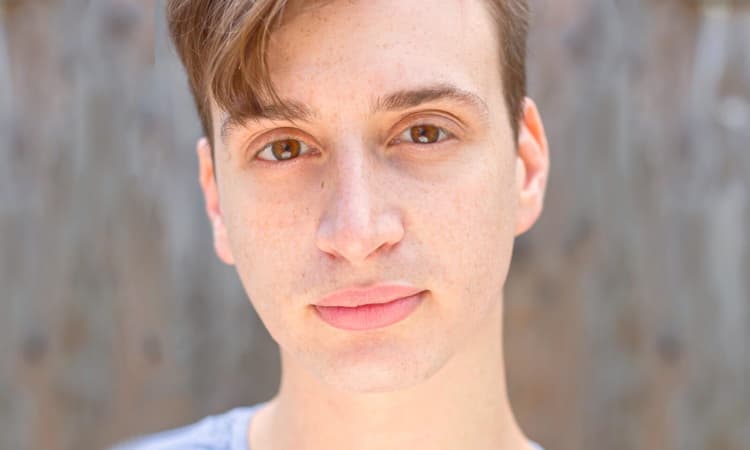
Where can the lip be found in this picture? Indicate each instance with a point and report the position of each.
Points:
(378, 294)
(365, 308)
(370, 316)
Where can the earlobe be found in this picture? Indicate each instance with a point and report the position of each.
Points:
(532, 167)
(221, 241)
(207, 181)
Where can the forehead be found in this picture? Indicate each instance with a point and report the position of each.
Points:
(353, 50)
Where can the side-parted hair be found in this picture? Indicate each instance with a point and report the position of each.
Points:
(222, 44)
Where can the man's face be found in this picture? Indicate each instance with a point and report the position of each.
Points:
(372, 197)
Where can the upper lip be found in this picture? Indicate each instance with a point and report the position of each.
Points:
(357, 296)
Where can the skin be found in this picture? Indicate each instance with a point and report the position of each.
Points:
(366, 205)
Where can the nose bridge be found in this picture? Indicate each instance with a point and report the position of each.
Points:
(352, 188)
(355, 221)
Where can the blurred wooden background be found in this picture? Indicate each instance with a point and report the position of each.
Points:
(628, 317)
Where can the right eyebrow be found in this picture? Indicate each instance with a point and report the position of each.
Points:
(289, 110)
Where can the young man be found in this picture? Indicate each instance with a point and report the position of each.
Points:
(367, 166)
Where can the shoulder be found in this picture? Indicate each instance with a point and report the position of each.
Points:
(225, 431)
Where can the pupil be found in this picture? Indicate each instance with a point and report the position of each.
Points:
(425, 134)
(286, 149)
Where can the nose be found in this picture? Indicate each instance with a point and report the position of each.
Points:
(357, 220)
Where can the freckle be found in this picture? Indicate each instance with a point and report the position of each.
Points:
(322, 183)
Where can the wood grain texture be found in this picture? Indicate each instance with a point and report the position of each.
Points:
(639, 271)
(628, 304)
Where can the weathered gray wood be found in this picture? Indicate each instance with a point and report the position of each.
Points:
(639, 271)
(628, 305)
(120, 320)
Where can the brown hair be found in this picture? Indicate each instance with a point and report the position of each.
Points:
(222, 45)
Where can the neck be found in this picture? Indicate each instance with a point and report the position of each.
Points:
(464, 405)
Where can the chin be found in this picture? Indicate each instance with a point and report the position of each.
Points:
(378, 367)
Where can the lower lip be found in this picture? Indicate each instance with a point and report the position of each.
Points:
(368, 317)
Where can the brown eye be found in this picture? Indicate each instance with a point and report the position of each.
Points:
(424, 134)
(286, 149)
(283, 150)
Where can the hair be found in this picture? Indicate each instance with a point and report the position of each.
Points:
(222, 44)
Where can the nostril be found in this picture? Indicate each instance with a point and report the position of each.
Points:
(358, 242)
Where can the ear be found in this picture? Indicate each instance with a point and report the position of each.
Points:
(532, 167)
(207, 180)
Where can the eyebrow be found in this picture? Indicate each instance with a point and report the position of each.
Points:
(410, 98)
(288, 110)
(403, 99)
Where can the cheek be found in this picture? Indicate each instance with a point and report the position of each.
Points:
(267, 242)
(470, 227)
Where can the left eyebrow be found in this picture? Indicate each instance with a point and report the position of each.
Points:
(410, 98)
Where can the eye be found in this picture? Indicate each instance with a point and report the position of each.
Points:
(423, 134)
(283, 150)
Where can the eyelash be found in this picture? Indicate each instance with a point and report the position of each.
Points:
(443, 135)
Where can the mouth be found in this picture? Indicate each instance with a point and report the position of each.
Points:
(370, 316)
(374, 294)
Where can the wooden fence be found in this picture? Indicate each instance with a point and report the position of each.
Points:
(628, 305)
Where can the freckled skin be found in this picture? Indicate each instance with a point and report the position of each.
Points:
(442, 216)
